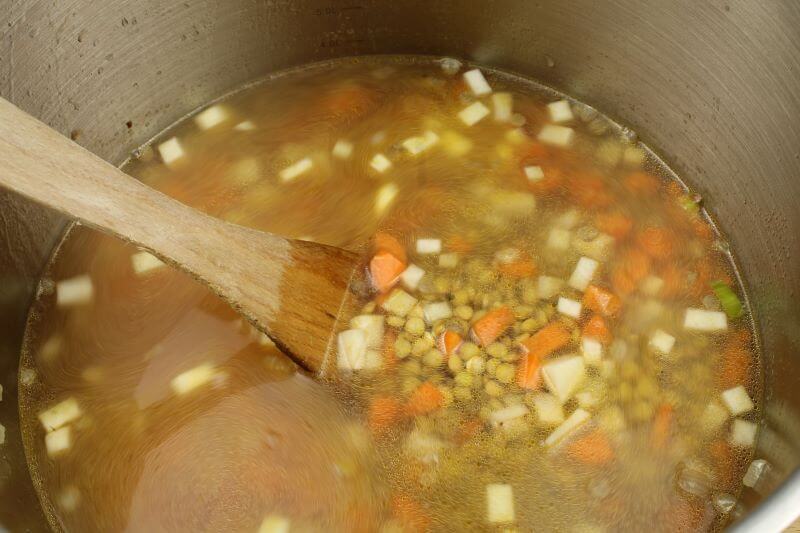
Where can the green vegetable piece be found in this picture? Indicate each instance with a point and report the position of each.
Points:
(728, 299)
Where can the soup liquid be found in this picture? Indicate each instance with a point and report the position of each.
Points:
(180, 417)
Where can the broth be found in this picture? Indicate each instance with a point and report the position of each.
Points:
(567, 352)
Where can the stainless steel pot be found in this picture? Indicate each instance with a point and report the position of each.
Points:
(713, 85)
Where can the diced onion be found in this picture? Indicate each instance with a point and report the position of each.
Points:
(295, 170)
(592, 351)
(569, 307)
(449, 260)
(754, 472)
(548, 409)
(703, 320)
(58, 441)
(436, 311)
(558, 239)
(560, 136)
(74, 291)
(743, 433)
(477, 82)
(380, 163)
(583, 273)
(503, 106)
(499, 503)
(213, 116)
(274, 524)
(737, 400)
(563, 376)
(560, 111)
(575, 420)
(372, 326)
(187, 381)
(343, 149)
(60, 414)
(411, 276)
(385, 196)
(450, 66)
(506, 414)
(399, 303)
(548, 286)
(351, 349)
(429, 246)
(417, 145)
(170, 151)
(473, 113)
(662, 341)
(145, 262)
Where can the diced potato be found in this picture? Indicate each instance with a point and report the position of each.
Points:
(558, 239)
(560, 111)
(455, 144)
(535, 173)
(548, 286)
(245, 125)
(145, 262)
(587, 399)
(373, 359)
(60, 414)
(74, 291)
(295, 170)
(737, 400)
(563, 376)
(399, 303)
(436, 311)
(170, 151)
(713, 417)
(592, 351)
(385, 196)
(372, 326)
(662, 342)
(560, 136)
(49, 351)
(477, 82)
(568, 307)
(754, 472)
(380, 163)
(411, 276)
(213, 116)
(548, 409)
(503, 106)
(651, 285)
(351, 349)
(743, 433)
(429, 246)
(448, 260)
(704, 320)
(417, 145)
(633, 156)
(584, 272)
(193, 378)
(577, 419)
(274, 523)
(343, 149)
(69, 498)
(499, 503)
(507, 413)
(473, 113)
(58, 441)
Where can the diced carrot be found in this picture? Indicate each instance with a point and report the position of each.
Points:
(528, 375)
(384, 412)
(642, 183)
(459, 244)
(621, 281)
(450, 342)
(385, 270)
(662, 423)
(637, 265)
(594, 448)
(596, 328)
(724, 460)
(601, 301)
(589, 190)
(702, 229)
(735, 365)
(674, 281)
(384, 242)
(389, 355)
(547, 340)
(523, 267)
(468, 429)
(408, 511)
(491, 325)
(425, 399)
(348, 100)
(701, 284)
(615, 224)
(656, 242)
(534, 153)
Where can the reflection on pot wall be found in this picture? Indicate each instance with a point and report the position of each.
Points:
(714, 85)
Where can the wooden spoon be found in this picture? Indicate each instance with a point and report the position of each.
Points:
(292, 290)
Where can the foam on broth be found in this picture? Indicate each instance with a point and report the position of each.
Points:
(187, 419)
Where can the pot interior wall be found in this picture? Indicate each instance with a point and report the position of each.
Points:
(715, 86)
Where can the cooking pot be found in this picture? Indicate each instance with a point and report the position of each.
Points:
(713, 86)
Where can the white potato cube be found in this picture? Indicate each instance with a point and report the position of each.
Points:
(560, 111)
(69, 498)
(548, 286)
(548, 409)
(74, 291)
(503, 106)
(737, 400)
(60, 414)
(713, 417)
(274, 524)
(372, 326)
(429, 246)
(564, 375)
(473, 113)
(499, 503)
(535, 173)
(411, 276)
(477, 82)
(455, 144)
(436, 311)
(569, 307)
(170, 151)
(560, 136)
(743, 433)
(507, 414)
(380, 163)
(754, 472)
(399, 303)
(343, 149)
(704, 320)
(385, 196)
(297, 169)
(145, 262)
(584, 272)
(351, 349)
(417, 145)
(662, 342)
(577, 419)
(213, 116)
(592, 351)
(245, 125)
(448, 260)
(558, 239)
(58, 441)
(652, 285)
(187, 381)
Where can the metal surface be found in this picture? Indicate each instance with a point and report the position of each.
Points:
(714, 86)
